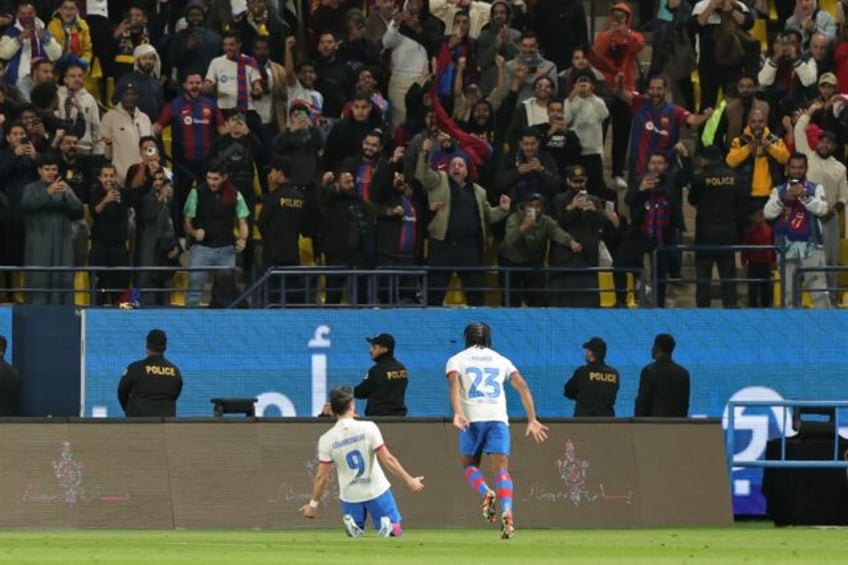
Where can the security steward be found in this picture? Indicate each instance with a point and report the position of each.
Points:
(720, 200)
(151, 387)
(385, 384)
(663, 385)
(594, 386)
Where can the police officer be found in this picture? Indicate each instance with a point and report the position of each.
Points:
(594, 386)
(663, 385)
(720, 201)
(385, 384)
(150, 387)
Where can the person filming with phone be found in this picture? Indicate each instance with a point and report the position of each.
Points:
(528, 233)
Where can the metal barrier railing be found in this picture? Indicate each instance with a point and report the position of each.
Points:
(798, 275)
(382, 286)
(835, 462)
(655, 265)
(94, 289)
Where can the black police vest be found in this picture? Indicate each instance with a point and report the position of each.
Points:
(215, 217)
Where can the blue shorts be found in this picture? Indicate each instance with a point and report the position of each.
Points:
(383, 505)
(484, 437)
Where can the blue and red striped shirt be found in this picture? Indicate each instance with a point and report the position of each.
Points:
(194, 124)
(654, 129)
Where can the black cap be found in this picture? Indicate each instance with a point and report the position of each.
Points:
(130, 85)
(157, 340)
(535, 196)
(237, 115)
(711, 153)
(386, 340)
(665, 343)
(597, 346)
(577, 172)
(828, 134)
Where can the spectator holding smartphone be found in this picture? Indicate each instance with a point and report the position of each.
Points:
(25, 41)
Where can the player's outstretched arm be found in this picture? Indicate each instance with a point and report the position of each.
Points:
(459, 420)
(310, 509)
(535, 428)
(415, 484)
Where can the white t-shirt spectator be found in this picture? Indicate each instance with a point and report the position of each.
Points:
(224, 73)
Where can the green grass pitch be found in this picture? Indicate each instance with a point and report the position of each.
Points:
(748, 543)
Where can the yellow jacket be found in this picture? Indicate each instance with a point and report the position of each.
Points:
(84, 52)
(760, 176)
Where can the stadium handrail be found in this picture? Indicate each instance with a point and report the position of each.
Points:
(835, 462)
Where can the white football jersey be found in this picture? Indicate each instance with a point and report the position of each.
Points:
(352, 445)
(483, 372)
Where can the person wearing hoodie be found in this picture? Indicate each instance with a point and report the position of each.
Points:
(408, 61)
(145, 75)
(497, 38)
(191, 50)
(614, 52)
(585, 112)
(72, 32)
(79, 108)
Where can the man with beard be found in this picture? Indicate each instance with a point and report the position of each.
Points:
(271, 108)
(145, 75)
(49, 204)
(735, 114)
(529, 171)
(333, 75)
(195, 120)
(233, 77)
(656, 122)
(369, 167)
(532, 111)
(79, 109)
(345, 139)
(585, 112)
(536, 65)
(825, 170)
(458, 231)
(76, 171)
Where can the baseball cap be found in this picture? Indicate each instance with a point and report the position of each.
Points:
(576, 172)
(534, 196)
(597, 346)
(828, 134)
(386, 340)
(828, 78)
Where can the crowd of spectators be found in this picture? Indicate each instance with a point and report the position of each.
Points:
(453, 134)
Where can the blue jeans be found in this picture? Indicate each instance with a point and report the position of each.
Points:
(202, 256)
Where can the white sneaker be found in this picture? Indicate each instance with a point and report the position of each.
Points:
(351, 528)
(619, 183)
(385, 527)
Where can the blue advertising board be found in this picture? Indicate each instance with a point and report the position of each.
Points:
(6, 330)
(289, 359)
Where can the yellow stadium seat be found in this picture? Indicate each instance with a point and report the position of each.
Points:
(82, 289)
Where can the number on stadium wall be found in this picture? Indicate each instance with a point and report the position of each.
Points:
(485, 383)
(356, 462)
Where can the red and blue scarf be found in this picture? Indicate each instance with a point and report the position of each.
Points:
(243, 95)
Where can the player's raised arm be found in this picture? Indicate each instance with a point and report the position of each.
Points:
(459, 420)
(322, 477)
(535, 428)
(415, 484)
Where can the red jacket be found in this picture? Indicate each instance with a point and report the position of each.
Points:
(615, 51)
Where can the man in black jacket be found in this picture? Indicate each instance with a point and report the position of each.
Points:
(720, 200)
(594, 386)
(385, 384)
(663, 385)
(281, 222)
(151, 386)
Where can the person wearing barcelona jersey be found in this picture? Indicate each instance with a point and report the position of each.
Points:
(656, 122)
(477, 375)
(356, 448)
(195, 120)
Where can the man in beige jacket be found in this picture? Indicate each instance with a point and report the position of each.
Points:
(459, 228)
